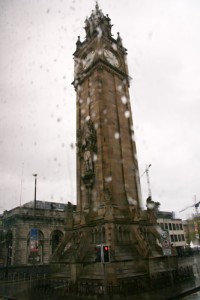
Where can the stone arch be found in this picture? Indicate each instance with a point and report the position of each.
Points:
(8, 247)
(56, 237)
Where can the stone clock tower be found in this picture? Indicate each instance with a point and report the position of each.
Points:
(107, 168)
(108, 189)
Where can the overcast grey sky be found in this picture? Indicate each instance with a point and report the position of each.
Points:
(37, 100)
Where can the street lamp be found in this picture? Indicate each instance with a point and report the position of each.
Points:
(35, 175)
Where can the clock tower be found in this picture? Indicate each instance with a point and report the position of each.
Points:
(107, 167)
(108, 212)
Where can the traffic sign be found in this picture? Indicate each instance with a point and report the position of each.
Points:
(165, 242)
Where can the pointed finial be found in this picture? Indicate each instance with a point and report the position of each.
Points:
(78, 43)
(97, 6)
(119, 40)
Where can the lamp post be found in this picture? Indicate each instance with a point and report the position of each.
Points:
(34, 233)
(35, 191)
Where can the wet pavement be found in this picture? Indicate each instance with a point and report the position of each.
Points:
(20, 292)
(187, 290)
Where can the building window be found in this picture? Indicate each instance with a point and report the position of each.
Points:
(166, 226)
(172, 238)
(56, 238)
(35, 248)
(174, 226)
(181, 226)
(176, 238)
(170, 226)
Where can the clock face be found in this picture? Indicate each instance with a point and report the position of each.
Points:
(88, 59)
(111, 58)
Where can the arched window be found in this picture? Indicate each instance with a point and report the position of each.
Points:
(35, 245)
(56, 238)
(8, 244)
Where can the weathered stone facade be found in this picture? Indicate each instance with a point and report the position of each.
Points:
(15, 232)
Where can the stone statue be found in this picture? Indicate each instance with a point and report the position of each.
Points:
(86, 145)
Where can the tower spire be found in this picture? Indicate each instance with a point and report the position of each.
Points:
(97, 24)
(97, 6)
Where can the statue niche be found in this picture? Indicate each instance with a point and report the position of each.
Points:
(87, 147)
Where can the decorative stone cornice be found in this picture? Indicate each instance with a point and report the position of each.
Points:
(100, 64)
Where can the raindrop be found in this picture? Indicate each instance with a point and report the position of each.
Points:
(124, 99)
(116, 135)
(114, 46)
(93, 114)
(87, 118)
(94, 157)
(81, 101)
(82, 111)
(150, 34)
(108, 179)
(79, 88)
(48, 10)
(96, 125)
(105, 111)
(127, 114)
(150, 205)
(119, 88)
(133, 137)
(59, 119)
(132, 201)
(95, 209)
(99, 32)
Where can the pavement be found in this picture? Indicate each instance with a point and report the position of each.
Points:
(186, 290)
